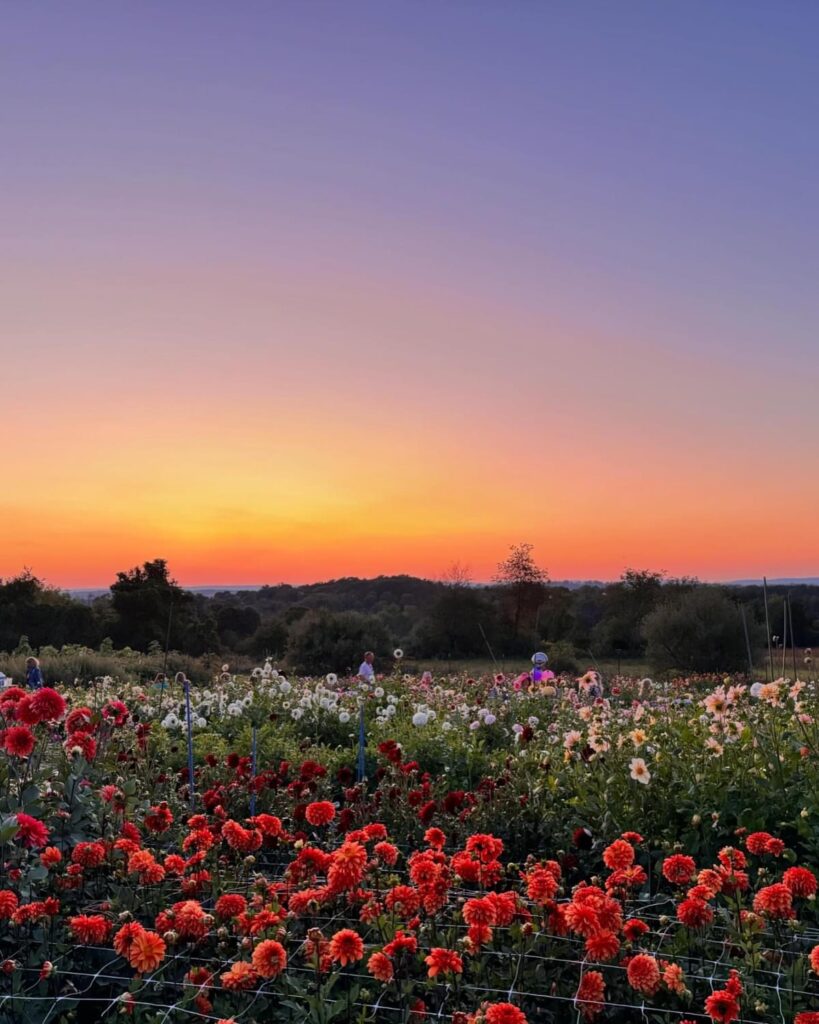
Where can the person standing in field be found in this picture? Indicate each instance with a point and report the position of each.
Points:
(34, 676)
(365, 669)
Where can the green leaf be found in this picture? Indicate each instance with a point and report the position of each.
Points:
(8, 829)
(30, 796)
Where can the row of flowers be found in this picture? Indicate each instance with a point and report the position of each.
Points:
(163, 889)
(430, 929)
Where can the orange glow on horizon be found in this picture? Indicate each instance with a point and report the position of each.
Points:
(305, 457)
(296, 291)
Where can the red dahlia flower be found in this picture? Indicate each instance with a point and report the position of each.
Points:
(18, 741)
(146, 952)
(346, 947)
(269, 958)
(89, 855)
(634, 928)
(590, 993)
(386, 853)
(443, 961)
(603, 946)
(47, 704)
(9, 903)
(320, 813)
(695, 913)
(435, 837)
(504, 1013)
(230, 905)
(81, 743)
(31, 832)
(679, 869)
(618, 855)
(124, 938)
(774, 900)
(79, 720)
(722, 1007)
(241, 976)
(90, 930)
(643, 974)
(380, 967)
(800, 881)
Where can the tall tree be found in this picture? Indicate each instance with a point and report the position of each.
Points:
(145, 600)
(524, 581)
(457, 575)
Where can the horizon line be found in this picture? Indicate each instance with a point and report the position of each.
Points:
(228, 587)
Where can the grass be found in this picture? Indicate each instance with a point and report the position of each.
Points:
(513, 666)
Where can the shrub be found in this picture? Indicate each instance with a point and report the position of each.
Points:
(335, 642)
(699, 631)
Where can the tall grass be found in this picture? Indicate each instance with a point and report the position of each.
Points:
(81, 664)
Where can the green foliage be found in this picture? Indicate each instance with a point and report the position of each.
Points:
(335, 642)
(698, 631)
(451, 619)
(452, 627)
(523, 583)
(76, 663)
(146, 600)
(269, 640)
(562, 657)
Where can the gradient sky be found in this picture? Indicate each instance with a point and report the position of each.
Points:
(297, 290)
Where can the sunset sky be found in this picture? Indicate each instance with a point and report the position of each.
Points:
(297, 290)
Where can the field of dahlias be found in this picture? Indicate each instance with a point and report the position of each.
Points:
(631, 851)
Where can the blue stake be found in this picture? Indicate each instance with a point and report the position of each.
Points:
(253, 775)
(362, 743)
(187, 686)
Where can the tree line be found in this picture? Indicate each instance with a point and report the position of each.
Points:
(677, 623)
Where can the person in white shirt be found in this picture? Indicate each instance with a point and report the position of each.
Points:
(365, 669)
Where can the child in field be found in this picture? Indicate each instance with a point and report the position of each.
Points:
(34, 677)
(539, 661)
(542, 677)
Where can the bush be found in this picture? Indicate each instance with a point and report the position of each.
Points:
(335, 642)
(269, 640)
(562, 657)
(76, 663)
(699, 631)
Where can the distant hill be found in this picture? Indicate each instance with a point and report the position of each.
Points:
(90, 593)
(351, 583)
(783, 581)
(382, 585)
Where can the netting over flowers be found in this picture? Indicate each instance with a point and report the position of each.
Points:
(341, 909)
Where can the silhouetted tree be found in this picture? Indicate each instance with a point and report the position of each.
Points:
(452, 627)
(143, 599)
(335, 641)
(269, 640)
(524, 581)
(457, 575)
(235, 623)
(699, 631)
